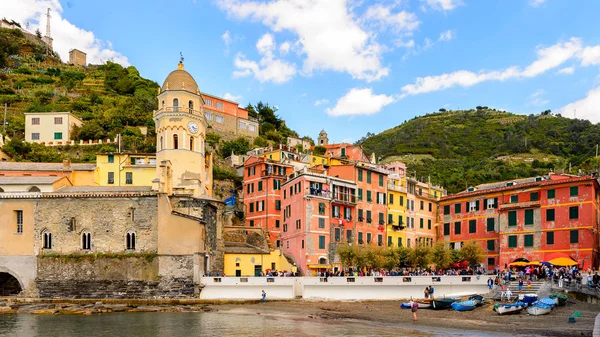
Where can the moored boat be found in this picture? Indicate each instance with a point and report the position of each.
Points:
(512, 308)
(405, 305)
(548, 301)
(424, 304)
(479, 300)
(530, 298)
(560, 299)
(464, 305)
(442, 303)
(538, 308)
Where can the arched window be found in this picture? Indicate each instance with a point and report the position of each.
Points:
(1, 190)
(163, 104)
(322, 260)
(130, 240)
(175, 104)
(47, 240)
(86, 241)
(34, 189)
(176, 142)
(160, 145)
(191, 143)
(191, 106)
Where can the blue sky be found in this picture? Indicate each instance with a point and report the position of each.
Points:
(349, 66)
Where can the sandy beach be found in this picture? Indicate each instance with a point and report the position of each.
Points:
(388, 312)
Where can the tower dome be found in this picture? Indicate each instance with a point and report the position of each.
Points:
(180, 80)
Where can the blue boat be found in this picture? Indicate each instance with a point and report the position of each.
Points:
(464, 305)
(405, 305)
(539, 308)
(547, 301)
(478, 299)
(530, 298)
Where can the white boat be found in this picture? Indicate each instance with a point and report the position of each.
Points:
(538, 309)
(424, 304)
(513, 308)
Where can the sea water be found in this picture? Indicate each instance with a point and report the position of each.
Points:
(205, 324)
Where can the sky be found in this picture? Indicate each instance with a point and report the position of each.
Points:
(348, 66)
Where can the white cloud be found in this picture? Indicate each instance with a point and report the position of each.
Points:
(226, 37)
(404, 44)
(231, 97)
(284, 48)
(427, 44)
(382, 17)
(536, 3)
(548, 58)
(321, 102)
(567, 71)
(66, 35)
(536, 99)
(586, 108)
(359, 102)
(442, 5)
(446, 36)
(590, 56)
(327, 31)
(268, 69)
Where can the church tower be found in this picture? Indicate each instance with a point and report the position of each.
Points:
(183, 166)
(322, 140)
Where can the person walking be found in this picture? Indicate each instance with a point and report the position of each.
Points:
(263, 298)
(413, 307)
(520, 285)
(490, 283)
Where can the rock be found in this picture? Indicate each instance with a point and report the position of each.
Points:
(44, 312)
(207, 308)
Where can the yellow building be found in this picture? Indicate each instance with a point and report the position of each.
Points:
(50, 127)
(316, 159)
(422, 212)
(397, 200)
(244, 260)
(125, 169)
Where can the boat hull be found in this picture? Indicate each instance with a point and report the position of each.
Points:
(464, 306)
(441, 304)
(535, 310)
(424, 304)
(509, 309)
(560, 299)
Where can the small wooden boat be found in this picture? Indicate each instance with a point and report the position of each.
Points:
(464, 305)
(512, 308)
(479, 300)
(560, 299)
(538, 308)
(442, 303)
(424, 304)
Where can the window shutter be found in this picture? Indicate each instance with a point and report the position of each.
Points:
(495, 202)
(477, 205)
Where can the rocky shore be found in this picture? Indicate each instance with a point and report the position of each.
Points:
(99, 307)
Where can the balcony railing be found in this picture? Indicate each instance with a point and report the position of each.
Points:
(273, 173)
(524, 204)
(344, 197)
(320, 193)
(177, 109)
(397, 188)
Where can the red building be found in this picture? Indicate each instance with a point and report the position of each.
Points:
(528, 218)
(262, 193)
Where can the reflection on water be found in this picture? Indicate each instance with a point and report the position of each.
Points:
(197, 324)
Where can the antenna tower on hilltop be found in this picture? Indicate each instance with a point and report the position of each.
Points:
(47, 38)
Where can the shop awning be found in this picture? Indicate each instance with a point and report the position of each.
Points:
(319, 266)
(563, 262)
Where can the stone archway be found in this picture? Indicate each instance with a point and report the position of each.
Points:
(9, 284)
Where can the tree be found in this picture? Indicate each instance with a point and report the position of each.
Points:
(442, 110)
(419, 256)
(440, 256)
(91, 130)
(472, 252)
(239, 145)
(319, 150)
(38, 34)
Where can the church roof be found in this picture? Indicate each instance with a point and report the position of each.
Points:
(180, 80)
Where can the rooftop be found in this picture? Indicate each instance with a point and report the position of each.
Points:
(27, 166)
(28, 180)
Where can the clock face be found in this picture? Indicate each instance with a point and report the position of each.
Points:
(193, 127)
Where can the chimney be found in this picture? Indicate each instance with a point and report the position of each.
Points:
(66, 164)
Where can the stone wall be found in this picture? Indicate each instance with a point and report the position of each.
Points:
(111, 277)
(107, 219)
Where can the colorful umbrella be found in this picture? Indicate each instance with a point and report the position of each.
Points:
(519, 264)
(562, 262)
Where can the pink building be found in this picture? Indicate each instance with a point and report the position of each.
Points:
(318, 214)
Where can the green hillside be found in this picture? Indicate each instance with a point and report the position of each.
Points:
(458, 149)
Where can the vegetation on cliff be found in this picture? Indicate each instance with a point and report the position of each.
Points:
(458, 149)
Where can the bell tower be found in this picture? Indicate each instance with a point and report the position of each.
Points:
(322, 140)
(183, 166)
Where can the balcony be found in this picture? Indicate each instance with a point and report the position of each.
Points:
(273, 173)
(517, 205)
(397, 188)
(178, 109)
(320, 193)
(344, 198)
(398, 227)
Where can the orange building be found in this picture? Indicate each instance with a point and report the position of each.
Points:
(530, 218)
(371, 198)
(263, 179)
